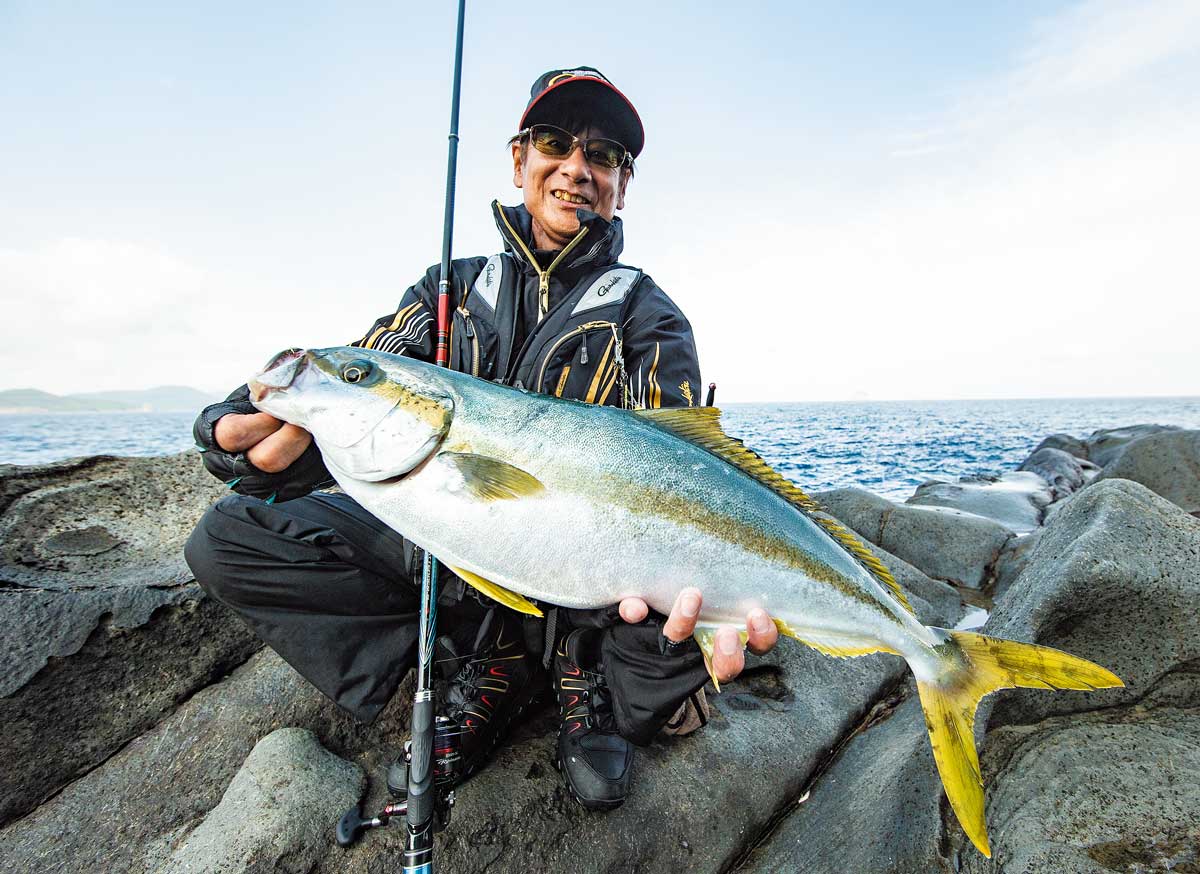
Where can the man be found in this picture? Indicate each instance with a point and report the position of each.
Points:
(334, 591)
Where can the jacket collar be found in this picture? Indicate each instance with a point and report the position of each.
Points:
(600, 247)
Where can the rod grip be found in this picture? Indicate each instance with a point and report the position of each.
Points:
(420, 769)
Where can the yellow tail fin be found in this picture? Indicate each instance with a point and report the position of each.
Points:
(975, 666)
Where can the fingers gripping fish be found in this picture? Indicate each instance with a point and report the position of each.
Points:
(527, 496)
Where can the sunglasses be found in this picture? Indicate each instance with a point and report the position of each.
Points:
(558, 143)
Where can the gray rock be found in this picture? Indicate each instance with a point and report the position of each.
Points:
(934, 602)
(876, 809)
(941, 542)
(1108, 790)
(1012, 561)
(103, 630)
(1105, 444)
(945, 544)
(863, 511)
(1167, 463)
(1074, 781)
(1112, 579)
(1016, 500)
(276, 813)
(1064, 472)
(165, 781)
(1066, 443)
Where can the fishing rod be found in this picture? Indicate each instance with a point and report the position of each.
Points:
(426, 809)
(428, 806)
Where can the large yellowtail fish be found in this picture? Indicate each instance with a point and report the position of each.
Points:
(529, 496)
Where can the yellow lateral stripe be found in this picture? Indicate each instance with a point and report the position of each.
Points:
(591, 392)
(562, 381)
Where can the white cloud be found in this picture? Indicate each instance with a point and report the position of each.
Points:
(1037, 242)
(1100, 44)
(87, 314)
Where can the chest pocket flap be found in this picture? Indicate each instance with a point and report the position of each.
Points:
(611, 287)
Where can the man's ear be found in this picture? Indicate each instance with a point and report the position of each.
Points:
(625, 176)
(518, 177)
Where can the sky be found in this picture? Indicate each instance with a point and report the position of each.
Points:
(849, 200)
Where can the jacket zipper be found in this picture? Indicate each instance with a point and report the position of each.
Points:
(586, 326)
(543, 275)
(469, 329)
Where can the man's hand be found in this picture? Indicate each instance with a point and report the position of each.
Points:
(728, 657)
(269, 444)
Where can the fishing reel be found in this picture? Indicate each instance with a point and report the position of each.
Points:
(446, 757)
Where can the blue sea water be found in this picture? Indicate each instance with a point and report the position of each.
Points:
(888, 447)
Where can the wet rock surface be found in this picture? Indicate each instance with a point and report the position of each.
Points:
(809, 763)
(104, 630)
(1016, 500)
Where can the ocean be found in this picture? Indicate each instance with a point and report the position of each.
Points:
(887, 447)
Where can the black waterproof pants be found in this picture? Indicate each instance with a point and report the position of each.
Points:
(335, 592)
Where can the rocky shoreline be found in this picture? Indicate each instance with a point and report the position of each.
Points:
(146, 730)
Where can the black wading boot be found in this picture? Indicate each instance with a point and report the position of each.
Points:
(595, 760)
(482, 697)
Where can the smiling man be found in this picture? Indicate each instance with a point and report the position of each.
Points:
(334, 591)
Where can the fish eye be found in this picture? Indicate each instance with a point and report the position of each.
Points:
(356, 371)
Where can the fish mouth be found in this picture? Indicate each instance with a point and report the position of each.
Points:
(280, 372)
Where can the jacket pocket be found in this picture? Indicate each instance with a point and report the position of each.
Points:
(474, 344)
(581, 364)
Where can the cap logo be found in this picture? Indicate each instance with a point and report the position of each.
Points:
(574, 74)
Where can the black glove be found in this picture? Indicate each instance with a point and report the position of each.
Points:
(306, 473)
(647, 679)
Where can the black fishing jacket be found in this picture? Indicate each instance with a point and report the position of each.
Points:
(574, 324)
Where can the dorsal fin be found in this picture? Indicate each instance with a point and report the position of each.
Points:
(701, 426)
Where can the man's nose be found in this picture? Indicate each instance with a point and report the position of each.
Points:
(576, 165)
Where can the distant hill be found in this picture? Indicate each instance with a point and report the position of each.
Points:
(163, 399)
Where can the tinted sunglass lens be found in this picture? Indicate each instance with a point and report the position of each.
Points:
(550, 141)
(607, 152)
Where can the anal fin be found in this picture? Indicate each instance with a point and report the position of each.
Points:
(706, 639)
(839, 646)
(497, 592)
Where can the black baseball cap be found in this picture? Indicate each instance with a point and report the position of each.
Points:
(561, 92)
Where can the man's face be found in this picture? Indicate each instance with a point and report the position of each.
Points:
(555, 187)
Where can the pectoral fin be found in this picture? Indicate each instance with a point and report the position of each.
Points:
(498, 593)
(490, 479)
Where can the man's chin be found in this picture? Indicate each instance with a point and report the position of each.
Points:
(559, 233)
